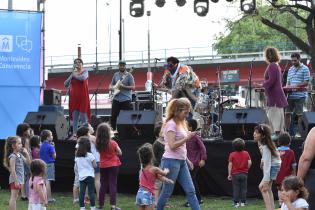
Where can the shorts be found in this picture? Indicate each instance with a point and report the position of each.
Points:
(295, 105)
(37, 206)
(144, 197)
(274, 172)
(97, 169)
(50, 175)
(15, 187)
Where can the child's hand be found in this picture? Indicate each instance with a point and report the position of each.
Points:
(202, 163)
(166, 171)
(167, 180)
(284, 197)
(190, 165)
(264, 186)
(229, 177)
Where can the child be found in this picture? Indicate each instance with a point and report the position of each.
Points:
(294, 194)
(196, 154)
(239, 164)
(109, 164)
(288, 163)
(35, 146)
(37, 188)
(270, 163)
(85, 162)
(148, 176)
(47, 153)
(13, 160)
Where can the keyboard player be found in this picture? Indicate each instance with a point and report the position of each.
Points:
(298, 77)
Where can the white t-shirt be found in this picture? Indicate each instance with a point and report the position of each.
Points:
(85, 166)
(298, 203)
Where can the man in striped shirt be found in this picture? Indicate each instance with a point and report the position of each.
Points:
(298, 76)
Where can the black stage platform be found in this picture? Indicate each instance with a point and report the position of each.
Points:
(213, 177)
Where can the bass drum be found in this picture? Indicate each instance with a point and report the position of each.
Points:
(202, 105)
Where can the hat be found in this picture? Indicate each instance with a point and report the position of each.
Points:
(121, 62)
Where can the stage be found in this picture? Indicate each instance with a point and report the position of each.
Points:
(212, 180)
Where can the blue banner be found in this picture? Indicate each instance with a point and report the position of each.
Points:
(20, 53)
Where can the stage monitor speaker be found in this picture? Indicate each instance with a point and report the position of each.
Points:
(308, 122)
(54, 121)
(52, 97)
(136, 125)
(240, 123)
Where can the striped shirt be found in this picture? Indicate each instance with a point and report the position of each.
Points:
(298, 75)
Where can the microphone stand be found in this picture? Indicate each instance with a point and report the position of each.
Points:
(219, 83)
(250, 83)
(96, 92)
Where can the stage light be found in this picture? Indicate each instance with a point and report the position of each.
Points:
(160, 3)
(248, 6)
(201, 7)
(180, 3)
(215, 1)
(136, 8)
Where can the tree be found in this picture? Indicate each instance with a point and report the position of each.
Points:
(289, 21)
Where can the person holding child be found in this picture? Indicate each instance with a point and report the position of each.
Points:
(148, 175)
(109, 164)
(85, 162)
(197, 154)
(37, 188)
(47, 153)
(13, 159)
(294, 194)
(239, 164)
(271, 162)
(176, 134)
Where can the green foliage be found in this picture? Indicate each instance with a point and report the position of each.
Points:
(249, 34)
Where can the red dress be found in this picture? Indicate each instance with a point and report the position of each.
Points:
(79, 97)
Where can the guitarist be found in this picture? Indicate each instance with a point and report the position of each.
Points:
(124, 81)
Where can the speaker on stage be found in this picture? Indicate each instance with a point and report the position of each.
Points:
(308, 122)
(54, 121)
(136, 125)
(52, 97)
(240, 123)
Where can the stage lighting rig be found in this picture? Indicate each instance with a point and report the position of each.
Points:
(180, 3)
(160, 3)
(201, 7)
(248, 6)
(136, 8)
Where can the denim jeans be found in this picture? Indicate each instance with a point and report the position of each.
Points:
(87, 182)
(178, 171)
(239, 182)
(78, 116)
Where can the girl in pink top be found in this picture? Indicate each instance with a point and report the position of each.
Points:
(109, 164)
(148, 176)
(37, 188)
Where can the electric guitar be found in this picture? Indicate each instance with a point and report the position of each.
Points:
(115, 87)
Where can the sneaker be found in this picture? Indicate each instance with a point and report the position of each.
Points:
(243, 204)
(201, 201)
(236, 205)
(24, 198)
(115, 208)
(52, 200)
(298, 135)
(186, 205)
(75, 200)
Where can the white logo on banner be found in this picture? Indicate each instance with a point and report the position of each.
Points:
(6, 43)
(23, 43)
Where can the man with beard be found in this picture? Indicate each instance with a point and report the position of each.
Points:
(298, 76)
(121, 86)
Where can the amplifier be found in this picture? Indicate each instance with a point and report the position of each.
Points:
(52, 97)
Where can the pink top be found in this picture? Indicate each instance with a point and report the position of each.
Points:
(109, 157)
(33, 195)
(147, 180)
(180, 133)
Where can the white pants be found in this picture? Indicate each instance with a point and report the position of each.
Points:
(38, 206)
(276, 118)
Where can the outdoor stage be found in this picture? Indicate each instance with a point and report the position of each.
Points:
(213, 177)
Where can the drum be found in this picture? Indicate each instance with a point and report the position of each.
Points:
(202, 105)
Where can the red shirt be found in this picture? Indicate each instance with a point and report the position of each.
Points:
(239, 160)
(109, 157)
(147, 180)
(287, 163)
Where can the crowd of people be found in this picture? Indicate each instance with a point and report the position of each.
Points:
(177, 153)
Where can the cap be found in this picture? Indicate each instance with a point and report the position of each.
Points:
(121, 62)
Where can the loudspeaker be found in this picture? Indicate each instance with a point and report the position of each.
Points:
(240, 123)
(52, 97)
(53, 121)
(136, 125)
(308, 122)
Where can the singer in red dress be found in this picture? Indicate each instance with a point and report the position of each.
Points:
(79, 101)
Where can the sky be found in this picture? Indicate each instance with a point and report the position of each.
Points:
(72, 22)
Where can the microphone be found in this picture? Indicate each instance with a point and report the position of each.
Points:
(75, 66)
(157, 59)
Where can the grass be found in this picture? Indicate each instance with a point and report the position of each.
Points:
(126, 202)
